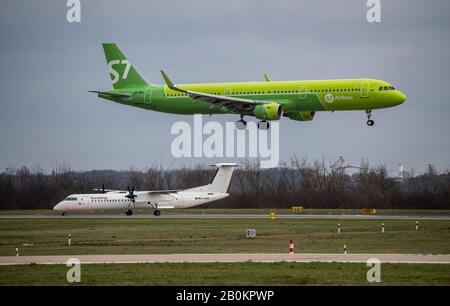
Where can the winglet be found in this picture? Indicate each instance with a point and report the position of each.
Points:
(167, 80)
(266, 77)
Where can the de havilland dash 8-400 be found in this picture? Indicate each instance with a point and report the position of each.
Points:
(158, 199)
(267, 101)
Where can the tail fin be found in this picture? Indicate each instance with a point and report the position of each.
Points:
(221, 180)
(123, 74)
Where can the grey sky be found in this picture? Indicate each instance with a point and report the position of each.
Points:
(47, 64)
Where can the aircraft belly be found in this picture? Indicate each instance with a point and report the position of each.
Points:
(183, 106)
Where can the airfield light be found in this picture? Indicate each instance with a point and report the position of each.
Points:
(69, 240)
(345, 249)
(17, 252)
(339, 228)
(291, 247)
(417, 225)
(382, 227)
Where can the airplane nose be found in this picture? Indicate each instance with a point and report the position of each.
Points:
(398, 97)
(401, 97)
(57, 206)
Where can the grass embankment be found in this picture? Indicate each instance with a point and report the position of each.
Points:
(146, 236)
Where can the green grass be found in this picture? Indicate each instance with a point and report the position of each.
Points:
(147, 236)
(228, 274)
(266, 211)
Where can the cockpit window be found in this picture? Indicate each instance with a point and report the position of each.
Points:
(71, 199)
(382, 88)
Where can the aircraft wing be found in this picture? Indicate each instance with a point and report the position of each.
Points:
(236, 105)
(158, 195)
(162, 191)
(107, 190)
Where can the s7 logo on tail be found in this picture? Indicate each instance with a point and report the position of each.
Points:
(114, 72)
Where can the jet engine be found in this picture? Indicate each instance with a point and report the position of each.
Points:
(301, 116)
(271, 111)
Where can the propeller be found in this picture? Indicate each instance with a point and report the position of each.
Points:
(131, 194)
(102, 190)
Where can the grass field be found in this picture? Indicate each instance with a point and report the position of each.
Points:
(156, 235)
(228, 274)
(146, 236)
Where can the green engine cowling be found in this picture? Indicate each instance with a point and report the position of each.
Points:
(301, 116)
(270, 111)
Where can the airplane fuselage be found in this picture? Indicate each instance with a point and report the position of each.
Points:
(119, 201)
(294, 96)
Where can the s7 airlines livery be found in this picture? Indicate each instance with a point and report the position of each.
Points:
(267, 101)
(129, 200)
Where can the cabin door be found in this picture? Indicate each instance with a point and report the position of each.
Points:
(148, 96)
(302, 92)
(364, 89)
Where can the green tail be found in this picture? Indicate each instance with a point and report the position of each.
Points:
(122, 73)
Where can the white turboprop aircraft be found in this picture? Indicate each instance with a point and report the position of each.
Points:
(160, 199)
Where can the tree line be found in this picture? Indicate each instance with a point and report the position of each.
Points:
(297, 182)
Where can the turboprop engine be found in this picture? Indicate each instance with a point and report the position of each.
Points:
(271, 111)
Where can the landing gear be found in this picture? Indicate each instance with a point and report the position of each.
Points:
(241, 124)
(129, 212)
(64, 214)
(370, 122)
(157, 212)
(263, 125)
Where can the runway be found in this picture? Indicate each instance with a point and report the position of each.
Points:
(226, 216)
(209, 258)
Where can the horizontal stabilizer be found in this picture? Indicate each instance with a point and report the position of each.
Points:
(124, 96)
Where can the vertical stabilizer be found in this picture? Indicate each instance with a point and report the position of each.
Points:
(222, 179)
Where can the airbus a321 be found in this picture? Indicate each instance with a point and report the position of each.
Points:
(267, 101)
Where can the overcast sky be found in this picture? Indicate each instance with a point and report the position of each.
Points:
(48, 64)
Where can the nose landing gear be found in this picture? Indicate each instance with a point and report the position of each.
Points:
(129, 212)
(370, 122)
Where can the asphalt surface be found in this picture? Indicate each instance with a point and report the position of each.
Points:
(225, 216)
(197, 258)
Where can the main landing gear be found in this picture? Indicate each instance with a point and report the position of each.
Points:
(241, 124)
(263, 125)
(156, 212)
(370, 122)
(64, 214)
(129, 212)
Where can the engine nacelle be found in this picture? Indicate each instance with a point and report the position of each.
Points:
(301, 116)
(271, 111)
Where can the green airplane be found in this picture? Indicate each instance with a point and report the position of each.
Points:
(267, 100)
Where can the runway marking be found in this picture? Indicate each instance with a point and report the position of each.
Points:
(229, 216)
(223, 258)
